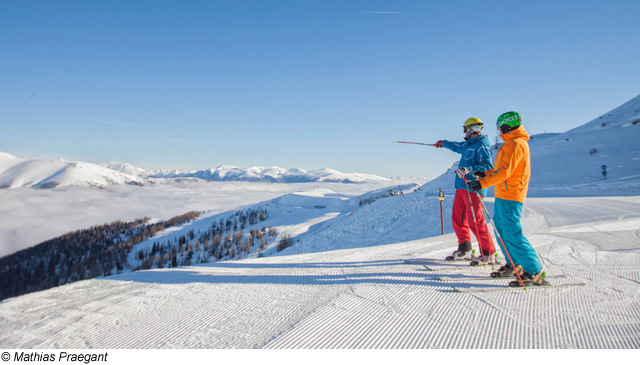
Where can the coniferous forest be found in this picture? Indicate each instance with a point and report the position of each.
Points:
(105, 250)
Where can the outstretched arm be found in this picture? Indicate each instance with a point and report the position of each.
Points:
(453, 146)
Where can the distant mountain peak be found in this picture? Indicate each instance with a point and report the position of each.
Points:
(125, 168)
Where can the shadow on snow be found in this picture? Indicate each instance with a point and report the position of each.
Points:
(258, 273)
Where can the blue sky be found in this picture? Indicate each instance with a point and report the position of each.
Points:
(306, 84)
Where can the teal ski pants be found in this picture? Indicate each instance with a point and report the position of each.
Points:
(506, 215)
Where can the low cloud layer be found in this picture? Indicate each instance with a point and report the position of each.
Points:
(31, 216)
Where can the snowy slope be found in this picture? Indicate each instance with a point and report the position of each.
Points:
(315, 219)
(361, 298)
(570, 164)
(7, 161)
(626, 115)
(44, 174)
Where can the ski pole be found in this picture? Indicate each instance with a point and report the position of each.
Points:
(424, 144)
(441, 197)
(473, 213)
(501, 243)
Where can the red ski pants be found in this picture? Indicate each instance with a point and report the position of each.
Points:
(462, 219)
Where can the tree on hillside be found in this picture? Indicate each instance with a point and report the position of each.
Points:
(284, 242)
(174, 259)
(237, 237)
(247, 245)
(263, 243)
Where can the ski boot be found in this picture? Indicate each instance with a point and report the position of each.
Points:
(484, 259)
(462, 253)
(529, 280)
(507, 270)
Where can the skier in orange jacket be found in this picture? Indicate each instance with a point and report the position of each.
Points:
(510, 179)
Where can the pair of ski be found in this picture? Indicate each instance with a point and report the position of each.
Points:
(459, 289)
(483, 289)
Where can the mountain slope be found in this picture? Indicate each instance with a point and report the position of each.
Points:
(7, 161)
(125, 168)
(42, 174)
(298, 216)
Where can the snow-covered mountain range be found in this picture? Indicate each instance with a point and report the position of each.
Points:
(268, 174)
(53, 173)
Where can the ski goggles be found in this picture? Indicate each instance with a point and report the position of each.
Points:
(473, 128)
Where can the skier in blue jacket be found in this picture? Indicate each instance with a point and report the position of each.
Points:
(476, 155)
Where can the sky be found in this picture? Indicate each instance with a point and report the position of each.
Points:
(301, 84)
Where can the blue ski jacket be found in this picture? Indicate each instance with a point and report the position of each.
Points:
(476, 155)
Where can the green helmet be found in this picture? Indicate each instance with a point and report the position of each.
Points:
(509, 121)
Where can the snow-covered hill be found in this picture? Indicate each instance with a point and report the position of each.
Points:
(43, 174)
(126, 168)
(7, 161)
(308, 217)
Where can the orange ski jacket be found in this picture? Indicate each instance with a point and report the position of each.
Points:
(512, 168)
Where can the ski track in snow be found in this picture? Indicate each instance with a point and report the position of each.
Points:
(362, 298)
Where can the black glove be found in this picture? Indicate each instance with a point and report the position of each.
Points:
(474, 185)
(479, 174)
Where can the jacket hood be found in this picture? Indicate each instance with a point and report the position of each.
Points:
(516, 133)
